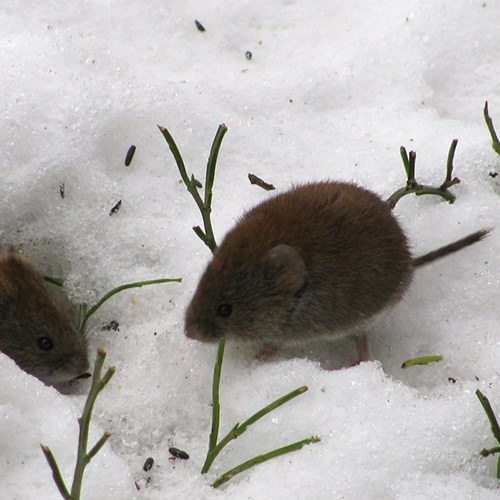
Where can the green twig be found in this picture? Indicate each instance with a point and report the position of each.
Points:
(413, 187)
(448, 182)
(54, 281)
(204, 205)
(56, 473)
(83, 457)
(98, 384)
(423, 360)
(263, 458)
(409, 165)
(492, 451)
(214, 434)
(495, 144)
(86, 312)
(495, 428)
(239, 429)
(212, 163)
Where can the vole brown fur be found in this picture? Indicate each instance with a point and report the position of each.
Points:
(33, 330)
(318, 260)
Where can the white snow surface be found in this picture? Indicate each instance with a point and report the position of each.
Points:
(333, 89)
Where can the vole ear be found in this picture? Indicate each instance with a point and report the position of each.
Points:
(286, 267)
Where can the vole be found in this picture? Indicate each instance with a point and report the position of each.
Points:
(33, 331)
(319, 260)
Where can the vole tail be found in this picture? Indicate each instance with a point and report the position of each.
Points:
(451, 248)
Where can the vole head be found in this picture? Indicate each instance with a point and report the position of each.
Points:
(246, 295)
(33, 331)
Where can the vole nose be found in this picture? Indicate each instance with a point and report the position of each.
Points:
(80, 367)
(192, 333)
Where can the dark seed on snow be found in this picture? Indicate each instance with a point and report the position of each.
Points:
(130, 155)
(148, 464)
(199, 26)
(178, 453)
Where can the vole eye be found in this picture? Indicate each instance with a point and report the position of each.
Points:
(45, 343)
(224, 310)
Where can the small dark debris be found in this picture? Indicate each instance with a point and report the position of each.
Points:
(178, 453)
(62, 191)
(148, 464)
(248, 55)
(130, 155)
(259, 182)
(493, 174)
(112, 325)
(116, 207)
(452, 380)
(137, 486)
(199, 26)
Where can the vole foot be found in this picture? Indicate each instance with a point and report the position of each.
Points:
(363, 349)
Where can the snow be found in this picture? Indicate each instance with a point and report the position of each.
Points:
(332, 90)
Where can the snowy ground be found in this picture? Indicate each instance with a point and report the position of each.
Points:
(332, 90)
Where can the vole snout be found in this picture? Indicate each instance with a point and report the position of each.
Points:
(39, 337)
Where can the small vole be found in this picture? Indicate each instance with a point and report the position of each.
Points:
(33, 331)
(318, 260)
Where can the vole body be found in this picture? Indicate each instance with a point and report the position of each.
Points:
(33, 331)
(318, 260)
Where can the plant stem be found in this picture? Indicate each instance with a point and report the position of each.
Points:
(487, 452)
(95, 449)
(495, 143)
(205, 206)
(420, 190)
(495, 429)
(86, 313)
(83, 457)
(176, 154)
(263, 458)
(408, 163)
(214, 434)
(54, 281)
(211, 164)
(413, 187)
(239, 429)
(56, 473)
(448, 182)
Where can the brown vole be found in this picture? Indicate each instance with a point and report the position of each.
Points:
(318, 260)
(33, 331)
